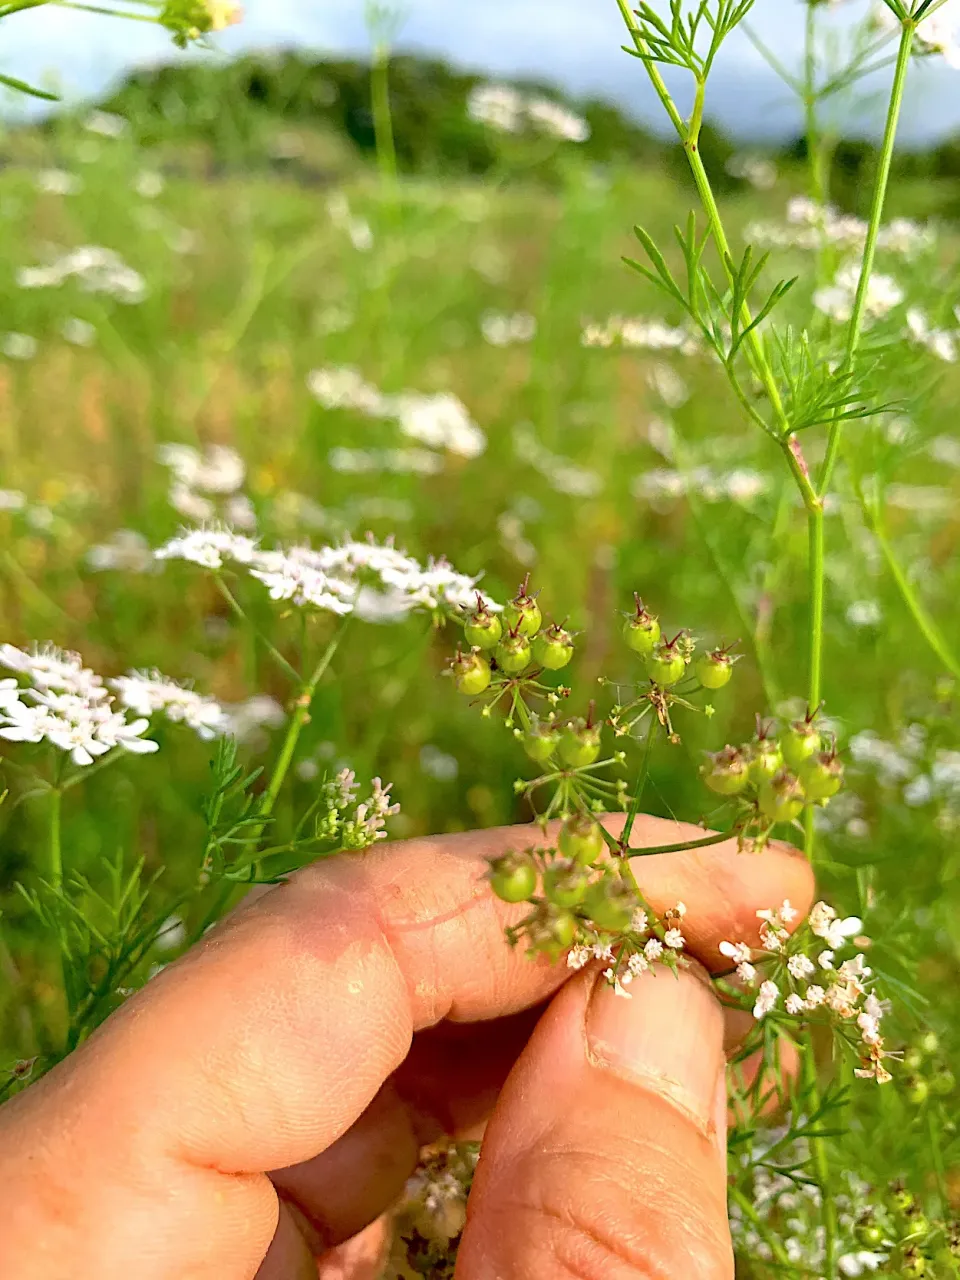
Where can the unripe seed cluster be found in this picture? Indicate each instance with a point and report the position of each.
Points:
(777, 775)
(508, 643)
(584, 901)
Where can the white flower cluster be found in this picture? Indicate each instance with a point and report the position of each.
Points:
(148, 693)
(505, 108)
(650, 942)
(839, 990)
(759, 171)
(125, 550)
(65, 704)
(794, 1206)
(357, 462)
(921, 774)
(96, 270)
(507, 330)
(18, 346)
(939, 342)
(440, 421)
(810, 225)
(641, 333)
(836, 300)
(330, 578)
(58, 182)
(663, 486)
(355, 826)
(207, 486)
(562, 475)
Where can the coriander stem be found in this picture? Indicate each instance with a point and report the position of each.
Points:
(689, 136)
(300, 717)
(855, 330)
(56, 852)
(718, 837)
(821, 1166)
(816, 579)
(382, 118)
(238, 611)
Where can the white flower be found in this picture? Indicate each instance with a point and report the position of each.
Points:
(652, 950)
(825, 959)
(794, 1004)
(209, 547)
(148, 693)
(814, 997)
(50, 668)
(9, 693)
(18, 346)
(639, 921)
(637, 964)
(498, 105)
(619, 987)
(800, 967)
(441, 421)
(126, 550)
(505, 330)
(738, 952)
(746, 973)
(577, 957)
(767, 998)
(673, 938)
(551, 117)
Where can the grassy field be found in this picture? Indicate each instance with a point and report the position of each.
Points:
(607, 470)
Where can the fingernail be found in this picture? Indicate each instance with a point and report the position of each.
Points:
(667, 1036)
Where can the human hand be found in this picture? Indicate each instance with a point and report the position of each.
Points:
(263, 1099)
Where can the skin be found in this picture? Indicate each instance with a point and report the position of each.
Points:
(257, 1108)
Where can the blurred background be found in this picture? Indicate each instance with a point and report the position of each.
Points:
(191, 247)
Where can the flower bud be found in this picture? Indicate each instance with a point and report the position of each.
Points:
(641, 631)
(513, 653)
(610, 904)
(553, 648)
(541, 739)
(513, 877)
(579, 743)
(917, 1090)
(867, 1232)
(522, 615)
(726, 772)
(944, 1082)
(782, 797)
(581, 839)
(471, 673)
(483, 629)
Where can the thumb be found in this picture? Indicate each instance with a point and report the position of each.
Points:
(605, 1158)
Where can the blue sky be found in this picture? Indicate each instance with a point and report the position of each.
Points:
(575, 42)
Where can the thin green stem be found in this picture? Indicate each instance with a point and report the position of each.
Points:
(936, 1152)
(923, 619)
(299, 718)
(689, 136)
(383, 118)
(816, 573)
(56, 852)
(238, 611)
(818, 187)
(641, 782)
(821, 1166)
(855, 329)
(718, 837)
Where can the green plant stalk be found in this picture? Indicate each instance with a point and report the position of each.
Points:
(237, 609)
(855, 330)
(383, 118)
(821, 1166)
(815, 559)
(299, 718)
(689, 136)
(56, 851)
(924, 622)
